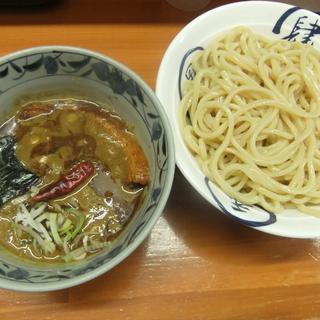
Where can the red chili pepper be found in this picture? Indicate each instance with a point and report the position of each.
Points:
(77, 175)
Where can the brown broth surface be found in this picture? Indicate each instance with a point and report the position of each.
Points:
(54, 136)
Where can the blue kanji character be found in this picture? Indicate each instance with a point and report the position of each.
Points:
(238, 206)
(296, 29)
(190, 73)
(313, 30)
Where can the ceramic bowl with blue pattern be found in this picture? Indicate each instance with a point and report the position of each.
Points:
(50, 71)
(274, 20)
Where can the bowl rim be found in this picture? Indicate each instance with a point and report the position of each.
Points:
(171, 49)
(92, 274)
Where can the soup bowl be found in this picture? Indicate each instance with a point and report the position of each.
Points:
(273, 20)
(59, 71)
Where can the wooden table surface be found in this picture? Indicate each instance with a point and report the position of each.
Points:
(197, 263)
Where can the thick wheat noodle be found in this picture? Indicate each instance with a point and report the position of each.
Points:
(251, 118)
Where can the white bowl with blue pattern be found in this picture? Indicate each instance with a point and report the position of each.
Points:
(54, 70)
(274, 20)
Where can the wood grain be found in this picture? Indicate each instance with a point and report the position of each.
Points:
(196, 263)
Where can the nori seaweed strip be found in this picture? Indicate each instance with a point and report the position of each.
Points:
(15, 180)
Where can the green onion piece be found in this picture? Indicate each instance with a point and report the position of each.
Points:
(60, 219)
(53, 228)
(47, 245)
(65, 246)
(81, 252)
(57, 207)
(68, 236)
(42, 217)
(79, 225)
(17, 229)
(77, 239)
(37, 209)
(95, 245)
(77, 254)
(66, 226)
(20, 199)
(80, 221)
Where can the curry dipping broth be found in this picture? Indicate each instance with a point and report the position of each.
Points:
(72, 175)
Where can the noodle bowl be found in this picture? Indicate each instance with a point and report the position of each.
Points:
(251, 119)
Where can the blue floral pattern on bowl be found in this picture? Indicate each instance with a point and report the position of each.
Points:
(46, 63)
